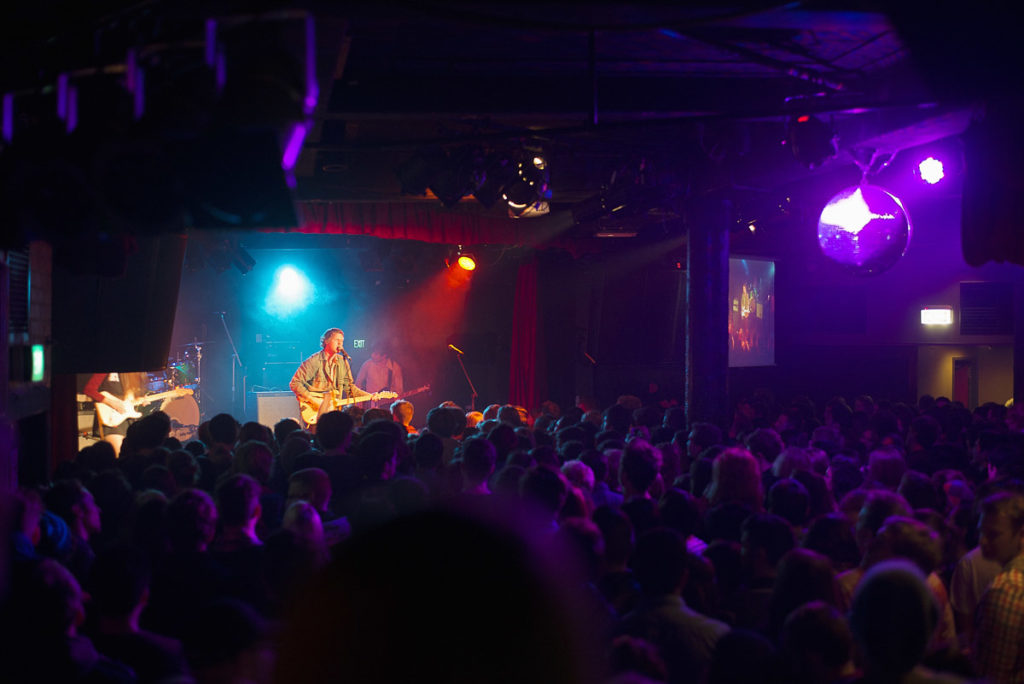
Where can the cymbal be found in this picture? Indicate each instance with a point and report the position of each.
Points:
(194, 344)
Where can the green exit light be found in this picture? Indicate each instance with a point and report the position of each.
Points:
(38, 362)
(358, 344)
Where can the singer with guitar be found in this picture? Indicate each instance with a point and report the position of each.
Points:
(324, 381)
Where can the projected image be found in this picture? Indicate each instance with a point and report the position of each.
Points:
(751, 312)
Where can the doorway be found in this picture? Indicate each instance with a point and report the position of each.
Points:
(965, 382)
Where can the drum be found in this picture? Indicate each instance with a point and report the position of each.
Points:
(181, 373)
(157, 382)
(184, 413)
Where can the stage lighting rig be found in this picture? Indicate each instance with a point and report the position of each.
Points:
(498, 171)
(461, 258)
(527, 192)
(459, 173)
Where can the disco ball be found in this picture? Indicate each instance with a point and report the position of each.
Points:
(865, 229)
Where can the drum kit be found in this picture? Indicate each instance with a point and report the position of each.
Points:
(183, 371)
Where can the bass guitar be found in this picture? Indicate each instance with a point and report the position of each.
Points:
(384, 403)
(310, 409)
(410, 393)
(111, 417)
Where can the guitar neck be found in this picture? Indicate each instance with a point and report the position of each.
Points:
(150, 398)
(410, 393)
(348, 401)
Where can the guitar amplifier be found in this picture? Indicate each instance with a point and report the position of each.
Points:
(273, 406)
(277, 374)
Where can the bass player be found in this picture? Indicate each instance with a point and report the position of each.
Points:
(117, 391)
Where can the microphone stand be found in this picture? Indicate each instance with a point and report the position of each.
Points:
(235, 359)
(472, 389)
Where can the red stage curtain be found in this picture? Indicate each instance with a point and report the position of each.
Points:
(419, 221)
(463, 225)
(524, 362)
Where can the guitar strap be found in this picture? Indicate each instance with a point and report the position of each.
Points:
(99, 424)
(334, 371)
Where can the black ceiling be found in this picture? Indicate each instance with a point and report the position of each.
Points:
(596, 89)
(695, 95)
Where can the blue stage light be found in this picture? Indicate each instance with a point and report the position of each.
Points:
(290, 293)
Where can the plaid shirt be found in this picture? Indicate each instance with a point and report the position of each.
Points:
(320, 374)
(999, 626)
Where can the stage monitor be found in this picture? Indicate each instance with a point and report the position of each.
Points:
(751, 312)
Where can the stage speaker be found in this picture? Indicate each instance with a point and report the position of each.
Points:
(273, 406)
(106, 321)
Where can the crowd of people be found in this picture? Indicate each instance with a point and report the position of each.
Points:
(857, 541)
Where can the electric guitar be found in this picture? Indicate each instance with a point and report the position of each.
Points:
(310, 409)
(384, 403)
(418, 390)
(111, 417)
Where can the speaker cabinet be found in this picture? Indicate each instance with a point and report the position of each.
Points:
(273, 406)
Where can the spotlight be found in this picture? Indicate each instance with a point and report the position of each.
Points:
(464, 260)
(290, 293)
(290, 282)
(526, 193)
(865, 229)
(812, 142)
(931, 170)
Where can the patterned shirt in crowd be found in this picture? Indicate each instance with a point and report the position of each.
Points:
(999, 626)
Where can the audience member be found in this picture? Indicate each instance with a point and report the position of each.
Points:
(77, 508)
(179, 577)
(684, 638)
(119, 589)
(999, 635)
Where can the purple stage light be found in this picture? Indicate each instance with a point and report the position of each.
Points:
(865, 229)
(293, 147)
(931, 170)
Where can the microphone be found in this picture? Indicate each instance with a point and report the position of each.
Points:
(456, 349)
(344, 355)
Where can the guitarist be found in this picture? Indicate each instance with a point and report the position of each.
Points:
(112, 389)
(380, 373)
(326, 371)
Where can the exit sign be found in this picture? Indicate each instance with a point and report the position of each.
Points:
(358, 344)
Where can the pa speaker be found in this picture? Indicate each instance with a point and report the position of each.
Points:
(116, 320)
